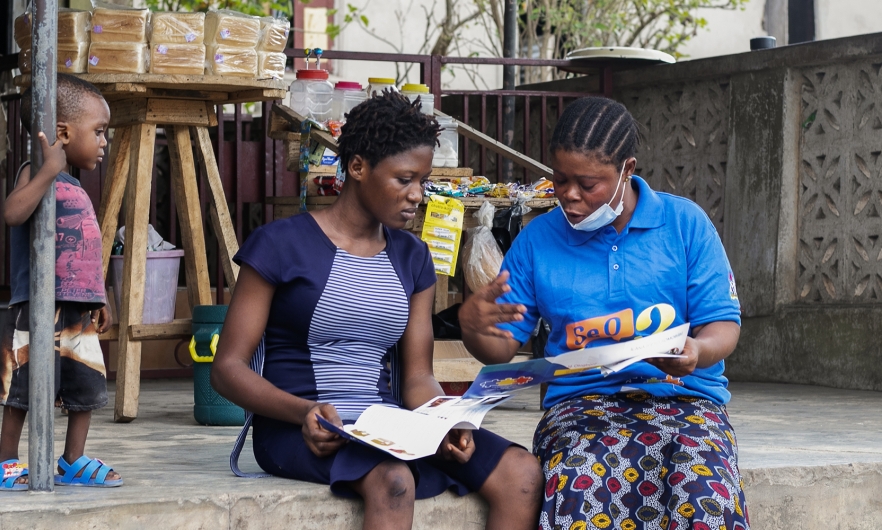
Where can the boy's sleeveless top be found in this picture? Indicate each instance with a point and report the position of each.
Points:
(335, 316)
(78, 265)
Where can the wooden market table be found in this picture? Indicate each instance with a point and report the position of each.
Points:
(184, 106)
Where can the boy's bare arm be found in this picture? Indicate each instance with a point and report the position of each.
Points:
(28, 192)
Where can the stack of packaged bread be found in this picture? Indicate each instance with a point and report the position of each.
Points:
(114, 39)
(119, 41)
(73, 40)
(176, 43)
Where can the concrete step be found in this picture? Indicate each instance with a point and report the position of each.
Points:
(810, 457)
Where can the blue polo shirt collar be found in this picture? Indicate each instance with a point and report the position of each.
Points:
(649, 213)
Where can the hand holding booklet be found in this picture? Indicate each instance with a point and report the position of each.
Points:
(409, 435)
(498, 378)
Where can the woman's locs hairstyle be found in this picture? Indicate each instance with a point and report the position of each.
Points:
(385, 125)
(597, 127)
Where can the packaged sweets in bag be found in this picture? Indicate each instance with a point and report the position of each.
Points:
(177, 59)
(231, 29)
(117, 58)
(168, 27)
(271, 64)
(224, 60)
(119, 25)
(273, 34)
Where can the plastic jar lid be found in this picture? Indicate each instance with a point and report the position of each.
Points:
(321, 75)
(347, 85)
(415, 87)
(381, 81)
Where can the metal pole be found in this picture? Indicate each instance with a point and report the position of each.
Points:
(509, 50)
(41, 361)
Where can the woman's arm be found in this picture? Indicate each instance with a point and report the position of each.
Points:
(711, 344)
(233, 379)
(478, 317)
(418, 384)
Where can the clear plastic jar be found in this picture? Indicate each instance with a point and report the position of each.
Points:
(347, 95)
(378, 84)
(447, 152)
(416, 90)
(311, 94)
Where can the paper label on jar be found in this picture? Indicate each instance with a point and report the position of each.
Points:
(97, 28)
(225, 33)
(218, 58)
(93, 60)
(190, 37)
(68, 63)
(162, 49)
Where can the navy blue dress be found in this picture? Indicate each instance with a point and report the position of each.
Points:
(333, 321)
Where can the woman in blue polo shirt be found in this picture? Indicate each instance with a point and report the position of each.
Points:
(649, 446)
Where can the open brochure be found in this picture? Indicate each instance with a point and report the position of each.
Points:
(499, 378)
(412, 434)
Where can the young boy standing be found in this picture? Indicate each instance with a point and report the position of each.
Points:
(80, 310)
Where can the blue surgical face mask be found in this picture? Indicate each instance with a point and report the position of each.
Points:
(605, 214)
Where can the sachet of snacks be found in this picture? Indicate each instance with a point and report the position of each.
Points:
(73, 40)
(176, 43)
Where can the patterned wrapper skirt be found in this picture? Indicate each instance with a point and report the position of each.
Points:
(634, 461)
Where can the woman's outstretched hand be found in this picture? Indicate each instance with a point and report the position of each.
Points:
(320, 441)
(682, 365)
(481, 313)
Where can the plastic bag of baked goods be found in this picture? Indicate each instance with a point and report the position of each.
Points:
(231, 28)
(271, 64)
(237, 62)
(73, 28)
(72, 59)
(112, 23)
(167, 27)
(184, 59)
(482, 258)
(117, 58)
(273, 34)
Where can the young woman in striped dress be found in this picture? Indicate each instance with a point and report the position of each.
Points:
(333, 291)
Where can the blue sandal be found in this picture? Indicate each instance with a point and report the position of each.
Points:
(88, 466)
(12, 470)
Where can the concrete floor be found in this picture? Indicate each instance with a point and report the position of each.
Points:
(806, 453)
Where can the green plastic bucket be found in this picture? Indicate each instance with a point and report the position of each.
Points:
(209, 407)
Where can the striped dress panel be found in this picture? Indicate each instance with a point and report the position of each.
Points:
(361, 313)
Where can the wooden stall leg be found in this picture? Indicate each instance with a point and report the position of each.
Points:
(441, 296)
(128, 374)
(220, 214)
(113, 191)
(183, 172)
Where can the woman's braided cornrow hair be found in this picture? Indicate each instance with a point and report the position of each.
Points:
(385, 125)
(598, 127)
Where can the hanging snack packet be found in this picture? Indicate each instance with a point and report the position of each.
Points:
(442, 231)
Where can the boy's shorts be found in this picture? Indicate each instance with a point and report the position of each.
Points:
(80, 377)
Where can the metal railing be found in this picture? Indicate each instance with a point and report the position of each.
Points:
(532, 105)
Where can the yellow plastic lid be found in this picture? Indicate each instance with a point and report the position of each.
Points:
(381, 81)
(415, 87)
